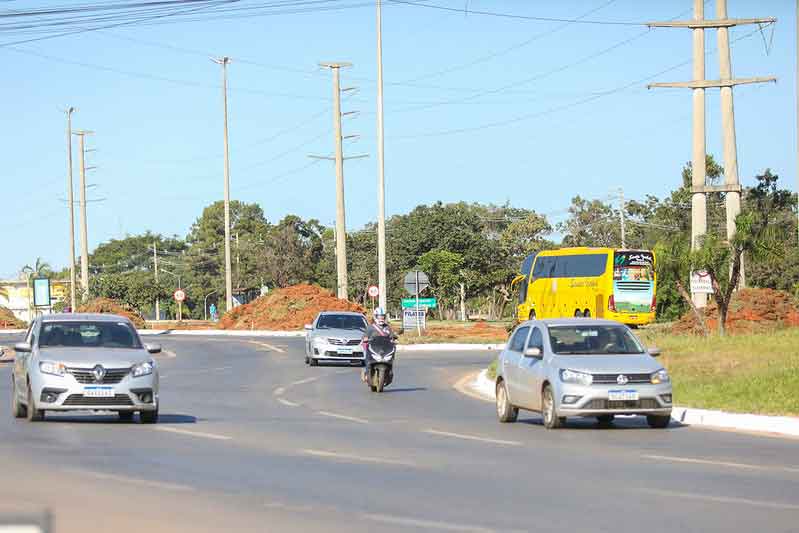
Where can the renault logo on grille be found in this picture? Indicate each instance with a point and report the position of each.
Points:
(99, 373)
(622, 379)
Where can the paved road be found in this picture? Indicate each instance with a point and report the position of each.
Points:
(251, 439)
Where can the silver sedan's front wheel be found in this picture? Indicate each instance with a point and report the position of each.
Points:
(551, 418)
(505, 411)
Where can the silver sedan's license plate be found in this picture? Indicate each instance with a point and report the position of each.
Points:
(622, 395)
(345, 351)
(98, 392)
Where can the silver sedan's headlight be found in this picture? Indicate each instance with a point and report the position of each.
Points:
(579, 378)
(55, 369)
(661, 376)
(142, 369)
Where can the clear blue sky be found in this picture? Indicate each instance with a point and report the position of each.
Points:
(159, 142)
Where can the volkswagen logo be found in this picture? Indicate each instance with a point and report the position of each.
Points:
(622, 379)
(99, 373)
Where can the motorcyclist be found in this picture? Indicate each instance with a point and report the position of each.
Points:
(378, 328)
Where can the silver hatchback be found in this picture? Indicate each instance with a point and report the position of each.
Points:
(581, 367)
(84, 362)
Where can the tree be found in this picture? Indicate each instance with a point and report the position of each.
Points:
(755, 236)
(673, 269)
(590, 223)
(445, 270)
(291, 252)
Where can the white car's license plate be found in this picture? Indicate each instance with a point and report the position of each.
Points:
(346, 351)
(622, 395)
(98, 392)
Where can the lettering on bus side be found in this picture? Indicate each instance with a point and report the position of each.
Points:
(590, 283)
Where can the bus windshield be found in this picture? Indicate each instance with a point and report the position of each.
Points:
(633, 266)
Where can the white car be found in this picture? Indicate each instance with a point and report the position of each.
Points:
(84, 362)
(335, 337)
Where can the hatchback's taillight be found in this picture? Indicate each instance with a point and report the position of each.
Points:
(612, 304)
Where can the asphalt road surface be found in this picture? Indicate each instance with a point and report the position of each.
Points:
(252, 439)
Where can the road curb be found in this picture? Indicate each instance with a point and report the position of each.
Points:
(12, 331)
(448, 347)
(221, 333)
(483, 387)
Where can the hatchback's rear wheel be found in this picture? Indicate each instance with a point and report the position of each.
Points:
(34, 414)
(658, 421)
(551, 418)
(505, 411)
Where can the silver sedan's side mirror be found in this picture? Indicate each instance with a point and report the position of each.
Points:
(22, 347)
(308, 327)
(534, 353)
(153, 348)
(654, 352)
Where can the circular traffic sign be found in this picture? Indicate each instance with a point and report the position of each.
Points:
(180, 295)
(373, 291)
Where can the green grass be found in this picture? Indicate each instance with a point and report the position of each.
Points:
(492, 370)
(757, 373)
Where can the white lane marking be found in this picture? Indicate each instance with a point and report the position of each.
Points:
(200, 434)
(424, 524)
(718, 463)
(222, 368)
(134, 481)
(472, 437)
(280, 391)
(721, 499)
(287, 402)
(304, 381)
(343, 417)
(268, 346)
(356, 458)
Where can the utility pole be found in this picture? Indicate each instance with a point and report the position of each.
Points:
(155, 268)
(621, 219)
(224, 61)
(381, 178)
(797, 120)
(731, 186)
(71, 203)
(238, 263)
(84, 237)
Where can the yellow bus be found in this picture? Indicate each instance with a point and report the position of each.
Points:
(588, 282)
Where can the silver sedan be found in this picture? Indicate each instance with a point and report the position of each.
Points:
(84, 362)
(335, 337)
(581, 367)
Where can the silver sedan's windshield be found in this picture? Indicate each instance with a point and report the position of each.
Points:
(88, 335)
(341, 322)
(593, 340)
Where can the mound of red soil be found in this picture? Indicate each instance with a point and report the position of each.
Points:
(751, 310)
(286, 309)
(107, 305)
(9, 321)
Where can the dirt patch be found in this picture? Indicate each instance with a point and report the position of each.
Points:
(751, 311)
(286, 309)
(9, 321)
(184, 325)
(478, 331)
(107, 305)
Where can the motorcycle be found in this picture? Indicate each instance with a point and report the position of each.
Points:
(381, 351)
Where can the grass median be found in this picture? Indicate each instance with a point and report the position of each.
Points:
(756, 373)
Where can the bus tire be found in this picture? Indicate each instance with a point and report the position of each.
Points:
(587, 313)
(532, 315)
(578, 314)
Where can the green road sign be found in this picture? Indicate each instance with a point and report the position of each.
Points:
(410, 303)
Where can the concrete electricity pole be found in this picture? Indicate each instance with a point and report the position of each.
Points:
(155, 268)
(797, 118)
(71, 203)
(731, 186)
(84, 237)
(381, 180)
(341, 228)
(224, 61)
(621, 219)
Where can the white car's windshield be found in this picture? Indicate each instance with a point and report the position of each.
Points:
(593, 340)
(341, 322)
(88, 335)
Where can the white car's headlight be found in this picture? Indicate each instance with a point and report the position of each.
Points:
(55, 369)
(579, 378)
(142, 369)
(661, 376)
